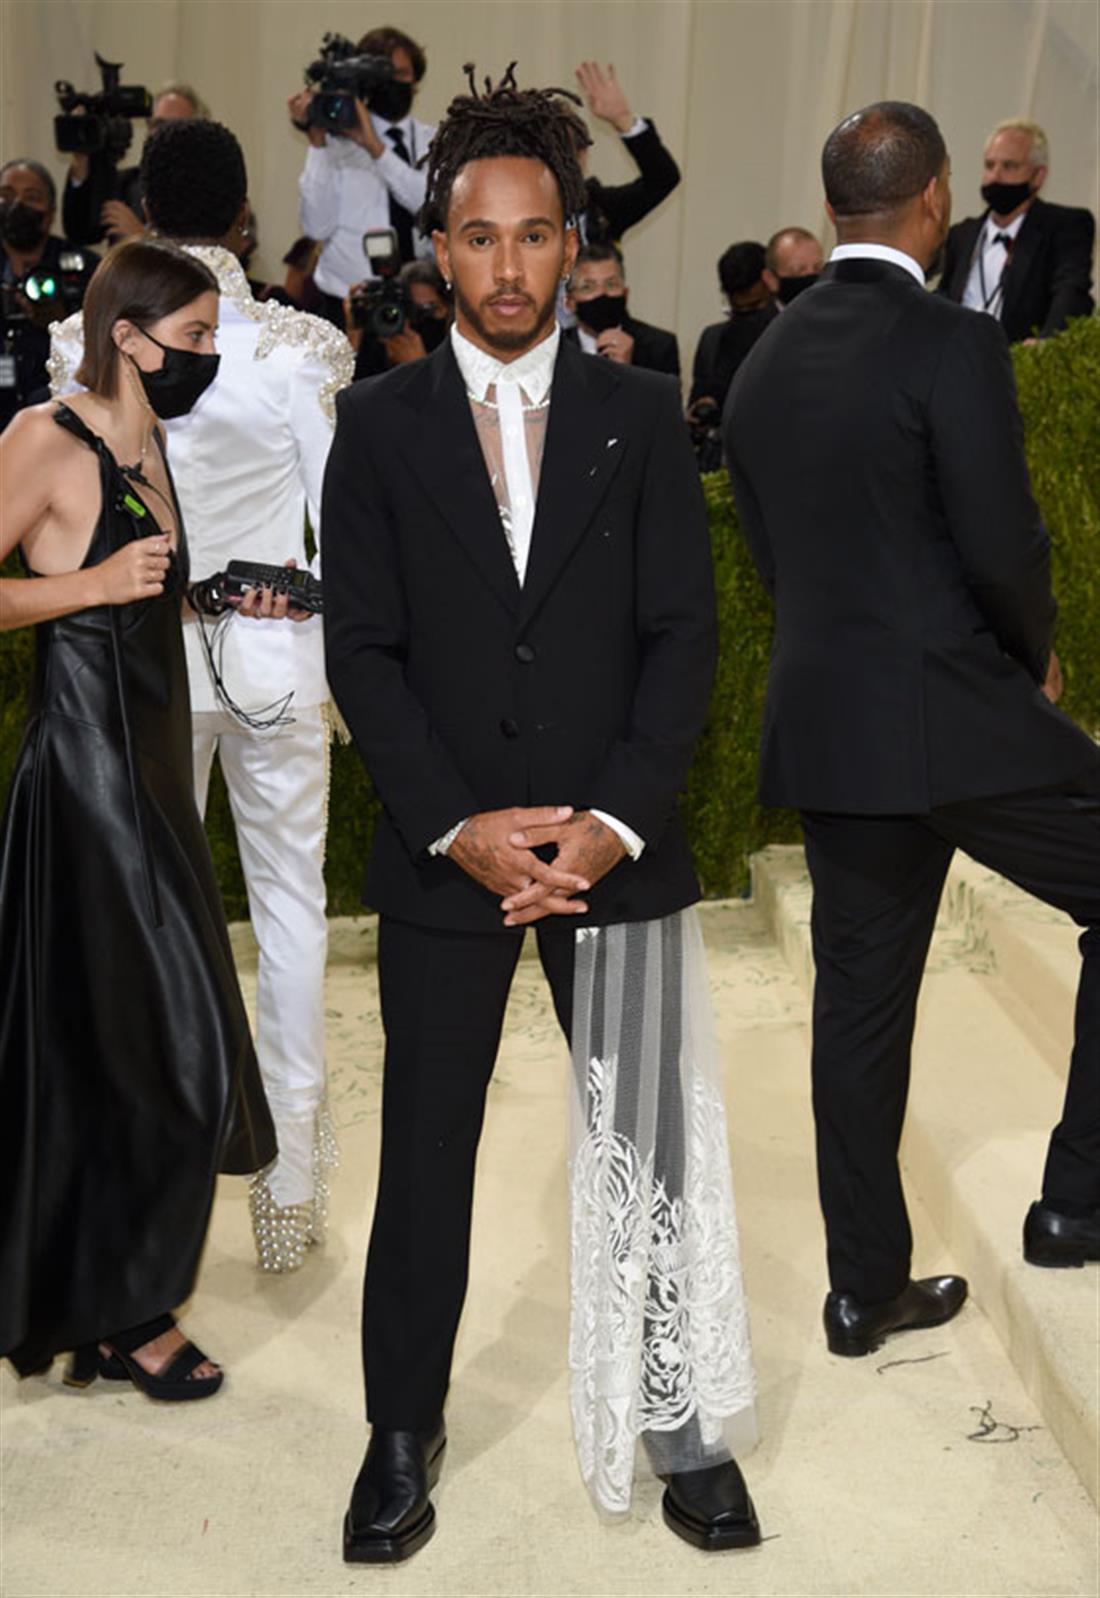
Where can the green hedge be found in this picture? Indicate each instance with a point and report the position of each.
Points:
(1059, 383)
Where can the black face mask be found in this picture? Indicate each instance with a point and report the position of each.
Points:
(184, 376)
(432, 328)
(791, 287)
(392, 102)
(22, 226)
(602, 312)
(1003, 198)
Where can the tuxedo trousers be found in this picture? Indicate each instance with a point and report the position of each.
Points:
(277, 780)
(443, 997)
(877, 884)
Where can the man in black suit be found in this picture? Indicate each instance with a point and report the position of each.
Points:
(909, 707)
(1024, 261)
(724, 345)
(610, 209)
(597, 296)
(504, 638)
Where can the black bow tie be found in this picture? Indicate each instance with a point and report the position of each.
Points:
(1006, 239)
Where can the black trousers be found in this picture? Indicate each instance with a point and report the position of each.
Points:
(443, 1001)
(877, 884)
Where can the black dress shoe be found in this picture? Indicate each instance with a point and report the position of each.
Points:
(391, 1516)
(711, 1509)
(852, 1328)
(1054, 1239)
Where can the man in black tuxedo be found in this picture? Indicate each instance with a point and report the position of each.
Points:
(597, 296)
(505, 640)
(1024, 261)
(724, 345)
(610, 209)
(909, 707)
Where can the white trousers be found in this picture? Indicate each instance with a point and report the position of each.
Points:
(277, 782)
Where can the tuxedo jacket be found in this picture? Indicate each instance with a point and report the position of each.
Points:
(615, 207)
(466, 693)
(654, 349)
(1048, 277)
(721, 349)
(876, 452)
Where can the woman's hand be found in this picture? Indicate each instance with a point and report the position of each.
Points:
(136, 571)
(267, 603)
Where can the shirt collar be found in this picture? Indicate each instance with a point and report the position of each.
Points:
(533, 371)
(879, 252)
(1011, 228)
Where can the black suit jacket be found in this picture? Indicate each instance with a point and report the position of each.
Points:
(655, 350)
(721, 349)
(465, 693)
(614, 207)
(876, 451)
(1048, 278)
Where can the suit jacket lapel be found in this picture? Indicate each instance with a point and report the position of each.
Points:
(1023, 254)
(447, 458)
(969, 233)
(583, 452)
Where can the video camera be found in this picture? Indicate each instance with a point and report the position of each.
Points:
(342, 76)
(105, 128)
(382, 307)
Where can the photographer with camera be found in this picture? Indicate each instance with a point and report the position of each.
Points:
(100, 200)
(42, 280)
(393, 319)
(362, 169)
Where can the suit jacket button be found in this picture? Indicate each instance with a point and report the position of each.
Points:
(509, 728)
(526, 653)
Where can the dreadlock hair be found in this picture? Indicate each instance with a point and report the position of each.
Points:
(505, 120)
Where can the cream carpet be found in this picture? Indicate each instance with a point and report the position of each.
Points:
(922, 1470)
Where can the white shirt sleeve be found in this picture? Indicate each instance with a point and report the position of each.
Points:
(633, 844)
(640, 125)
(442, 845)
(319, 193)
(408, 184)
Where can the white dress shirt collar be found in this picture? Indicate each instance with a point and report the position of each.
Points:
(1012, 228)
(879, 252)
(533, 370)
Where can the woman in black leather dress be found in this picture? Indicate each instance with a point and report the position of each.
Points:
(128, 1075)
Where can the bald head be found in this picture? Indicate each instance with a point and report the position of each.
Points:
(881, 158)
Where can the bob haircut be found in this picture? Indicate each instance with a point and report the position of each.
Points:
(142, 280)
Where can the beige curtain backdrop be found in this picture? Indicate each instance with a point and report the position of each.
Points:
(743, 91)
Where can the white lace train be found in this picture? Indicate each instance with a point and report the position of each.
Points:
(659, 1337)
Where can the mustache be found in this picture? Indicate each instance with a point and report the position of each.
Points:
(508, 291)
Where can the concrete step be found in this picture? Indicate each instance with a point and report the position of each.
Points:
(988, 1073)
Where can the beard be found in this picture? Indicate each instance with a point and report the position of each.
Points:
(508, 340)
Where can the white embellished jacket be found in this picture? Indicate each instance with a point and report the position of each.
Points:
(248, 462)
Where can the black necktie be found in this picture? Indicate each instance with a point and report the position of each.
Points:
(401, 220)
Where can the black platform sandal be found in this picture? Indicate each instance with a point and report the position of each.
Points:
(174, 1384)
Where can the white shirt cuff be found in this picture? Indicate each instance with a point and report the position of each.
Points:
(632, 133)
(441, 845)
(634, 844)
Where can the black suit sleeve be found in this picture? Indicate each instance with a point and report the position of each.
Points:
(1071, 277)
(677, 634)
(625, 204)
(366, 637)
(977, 440)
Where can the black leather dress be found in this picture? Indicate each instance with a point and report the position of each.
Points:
(127, 1072)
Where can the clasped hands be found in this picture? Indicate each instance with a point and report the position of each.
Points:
(496, 848)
